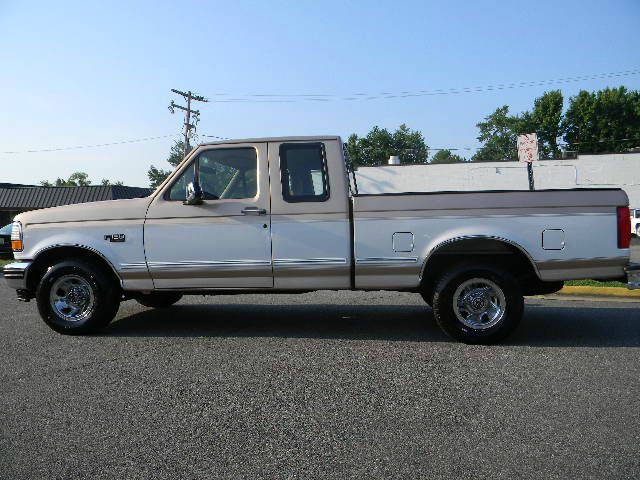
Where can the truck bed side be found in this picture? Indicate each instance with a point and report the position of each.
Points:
(564, 234)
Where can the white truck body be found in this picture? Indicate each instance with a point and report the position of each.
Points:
(256, 235)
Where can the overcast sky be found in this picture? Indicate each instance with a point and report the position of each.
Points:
(84, 73)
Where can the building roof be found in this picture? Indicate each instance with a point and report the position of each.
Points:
(31, 198)
(14, 185)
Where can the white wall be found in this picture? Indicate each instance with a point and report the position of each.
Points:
(607, 171)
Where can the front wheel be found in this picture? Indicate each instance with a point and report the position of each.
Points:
(478, 304)
(77, 297)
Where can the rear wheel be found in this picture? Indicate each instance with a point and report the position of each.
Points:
(426, 292)
(158, 300)
(77, 297)
(478, 303)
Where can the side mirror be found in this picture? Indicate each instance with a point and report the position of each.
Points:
(194, 194)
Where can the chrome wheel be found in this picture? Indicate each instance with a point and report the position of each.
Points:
(479, 303)
(72, 298)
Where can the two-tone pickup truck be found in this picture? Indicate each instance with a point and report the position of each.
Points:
(283, 215)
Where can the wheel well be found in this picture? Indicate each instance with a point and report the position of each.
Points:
(54, 255)
(493, 251)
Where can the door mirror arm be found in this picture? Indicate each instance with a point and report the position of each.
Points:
(193, 194)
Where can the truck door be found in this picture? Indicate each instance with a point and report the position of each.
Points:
(310, 219)
(225, 242)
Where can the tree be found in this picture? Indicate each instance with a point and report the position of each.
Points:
(79, 179)
(499, 132)
(446, 156)
(603, 121)
(107, 182)
(76, 179)
(546, 121)
(157, 175)
(595, 122)
(379, 144)
(499, 135)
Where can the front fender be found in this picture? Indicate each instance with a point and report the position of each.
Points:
(39, 238)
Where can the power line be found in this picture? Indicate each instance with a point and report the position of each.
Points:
(455, 148)
(601, 141)
(324, 97)
(215, 136)
(80, 147)
(145, 139)
(99, 145)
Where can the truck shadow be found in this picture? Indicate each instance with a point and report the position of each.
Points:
(414, 322)
(542, 325)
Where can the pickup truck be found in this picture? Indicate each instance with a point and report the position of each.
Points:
(283, 215)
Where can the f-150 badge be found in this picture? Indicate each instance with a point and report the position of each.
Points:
(116, 237)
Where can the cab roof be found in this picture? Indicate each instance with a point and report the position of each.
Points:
(274, 139)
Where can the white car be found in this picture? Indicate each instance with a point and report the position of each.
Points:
(635, 221)
(281, 215)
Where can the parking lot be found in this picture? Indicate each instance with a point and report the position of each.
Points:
(324, 385)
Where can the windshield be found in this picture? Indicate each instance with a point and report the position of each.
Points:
(6, 230)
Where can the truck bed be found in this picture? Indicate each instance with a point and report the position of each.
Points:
(553, 228)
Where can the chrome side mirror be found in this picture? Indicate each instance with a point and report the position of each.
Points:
(194, 194)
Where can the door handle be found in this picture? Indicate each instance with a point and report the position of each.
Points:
(254, 211)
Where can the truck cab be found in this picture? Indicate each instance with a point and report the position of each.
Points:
(271, 215)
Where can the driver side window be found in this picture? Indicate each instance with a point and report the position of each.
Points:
(224, 173)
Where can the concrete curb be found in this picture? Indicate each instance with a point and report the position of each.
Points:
(600, 292)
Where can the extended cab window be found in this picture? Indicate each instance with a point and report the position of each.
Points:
(224, 173)
(304, 172)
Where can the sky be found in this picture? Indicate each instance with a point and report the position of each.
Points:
(87, 72)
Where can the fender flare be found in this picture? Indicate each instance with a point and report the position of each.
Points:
(48, 248)
(477, 237)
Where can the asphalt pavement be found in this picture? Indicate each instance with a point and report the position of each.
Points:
(323, 385)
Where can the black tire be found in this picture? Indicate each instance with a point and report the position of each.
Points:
(158, 300)
(487, 332)
(426, 292)
(106, 297)
(543, 288)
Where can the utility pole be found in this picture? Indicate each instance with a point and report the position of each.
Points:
(188, 113)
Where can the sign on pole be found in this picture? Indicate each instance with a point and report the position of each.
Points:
(528, 153)
(528, 147)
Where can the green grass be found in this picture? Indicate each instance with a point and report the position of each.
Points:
(593, 283)
(5, 261)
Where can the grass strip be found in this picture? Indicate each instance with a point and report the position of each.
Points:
(594, 283)
(5, 261)
(600, 292)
